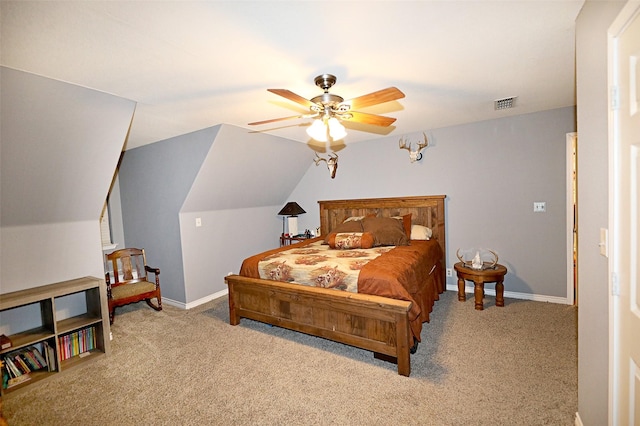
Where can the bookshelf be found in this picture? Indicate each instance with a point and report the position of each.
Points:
(86, 332)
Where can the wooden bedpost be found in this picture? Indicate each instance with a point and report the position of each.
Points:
(404, 336)
(234, 318)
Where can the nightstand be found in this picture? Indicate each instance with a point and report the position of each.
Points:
(286, 240)
(479, 277)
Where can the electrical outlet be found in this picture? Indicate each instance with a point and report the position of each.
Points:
(539, 207)
(449, 272)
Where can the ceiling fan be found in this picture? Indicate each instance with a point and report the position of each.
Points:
(328, 108)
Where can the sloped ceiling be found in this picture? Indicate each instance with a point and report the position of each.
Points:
(192, 65)
(60, 146)
(236, 175)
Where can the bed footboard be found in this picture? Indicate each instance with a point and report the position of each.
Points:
(374, 323)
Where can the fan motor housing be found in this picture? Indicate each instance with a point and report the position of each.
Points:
(325, 81)
(327, 99)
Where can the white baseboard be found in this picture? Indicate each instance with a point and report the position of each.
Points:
(578, 420)
(514, 295)
(195, 303)
(450, 287)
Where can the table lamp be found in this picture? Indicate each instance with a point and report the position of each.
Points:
(292, 210)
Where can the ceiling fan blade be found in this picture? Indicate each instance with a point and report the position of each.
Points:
(363, 117)
(381, 96)
(273, 120)
(293, 97)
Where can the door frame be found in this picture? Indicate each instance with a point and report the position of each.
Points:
(572, 219)
(626, 15)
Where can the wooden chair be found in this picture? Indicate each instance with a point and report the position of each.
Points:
(131, 280)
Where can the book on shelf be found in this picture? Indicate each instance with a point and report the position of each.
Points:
(39, 358)
(12, 375)
(33, 358)
(77, 343)
(50, 356)
(30, 360)
(23, 361)
(5, 342)
(11, 368)
(21, 364)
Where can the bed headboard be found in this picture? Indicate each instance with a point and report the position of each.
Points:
(425, 210)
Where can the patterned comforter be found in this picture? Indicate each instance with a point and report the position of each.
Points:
(318, 265)
(412, 272)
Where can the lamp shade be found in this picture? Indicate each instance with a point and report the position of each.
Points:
(336, 129)
(291, 209)
(321, 130)
(318, 131)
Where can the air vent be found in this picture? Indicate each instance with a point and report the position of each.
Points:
(505, 103)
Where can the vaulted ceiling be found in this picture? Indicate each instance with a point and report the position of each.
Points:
(191, 65)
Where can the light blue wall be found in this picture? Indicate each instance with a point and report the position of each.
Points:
(60, 145)
(154, 182)
(242, 185)
(233, 180)
(491, 172)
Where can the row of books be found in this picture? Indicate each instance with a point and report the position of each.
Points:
(19, 364)
(76, 343)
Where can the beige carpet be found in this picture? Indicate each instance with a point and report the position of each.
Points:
(502, 366)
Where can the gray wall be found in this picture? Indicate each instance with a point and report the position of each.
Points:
(154, 182)
(233, 180)
(60, 145)
(593, 178)
(491, 173)
(243, 184)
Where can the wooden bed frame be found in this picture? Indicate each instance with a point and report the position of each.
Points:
(374, 323)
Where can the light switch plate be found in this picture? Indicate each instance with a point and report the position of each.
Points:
(604, 242)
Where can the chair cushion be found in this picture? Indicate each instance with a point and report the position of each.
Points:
(128, 290)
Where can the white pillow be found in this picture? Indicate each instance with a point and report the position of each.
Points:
(419, 232)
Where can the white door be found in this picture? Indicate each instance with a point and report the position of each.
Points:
(624, 215)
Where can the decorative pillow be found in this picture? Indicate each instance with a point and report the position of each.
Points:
(386, 231)
(351, 226)
(406, 223)
(351, 240)
(419, 232)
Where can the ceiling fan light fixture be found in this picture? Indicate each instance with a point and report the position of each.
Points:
(336, 129)
(317, 131)
(331, 109)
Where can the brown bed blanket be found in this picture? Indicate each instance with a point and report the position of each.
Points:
(412, 273)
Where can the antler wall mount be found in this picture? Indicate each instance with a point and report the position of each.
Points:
(330, 109)
(332, 163)
(414, 155)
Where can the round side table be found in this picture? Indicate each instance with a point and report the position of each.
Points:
(479, 277)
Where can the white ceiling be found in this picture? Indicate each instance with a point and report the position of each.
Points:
(191, 65)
